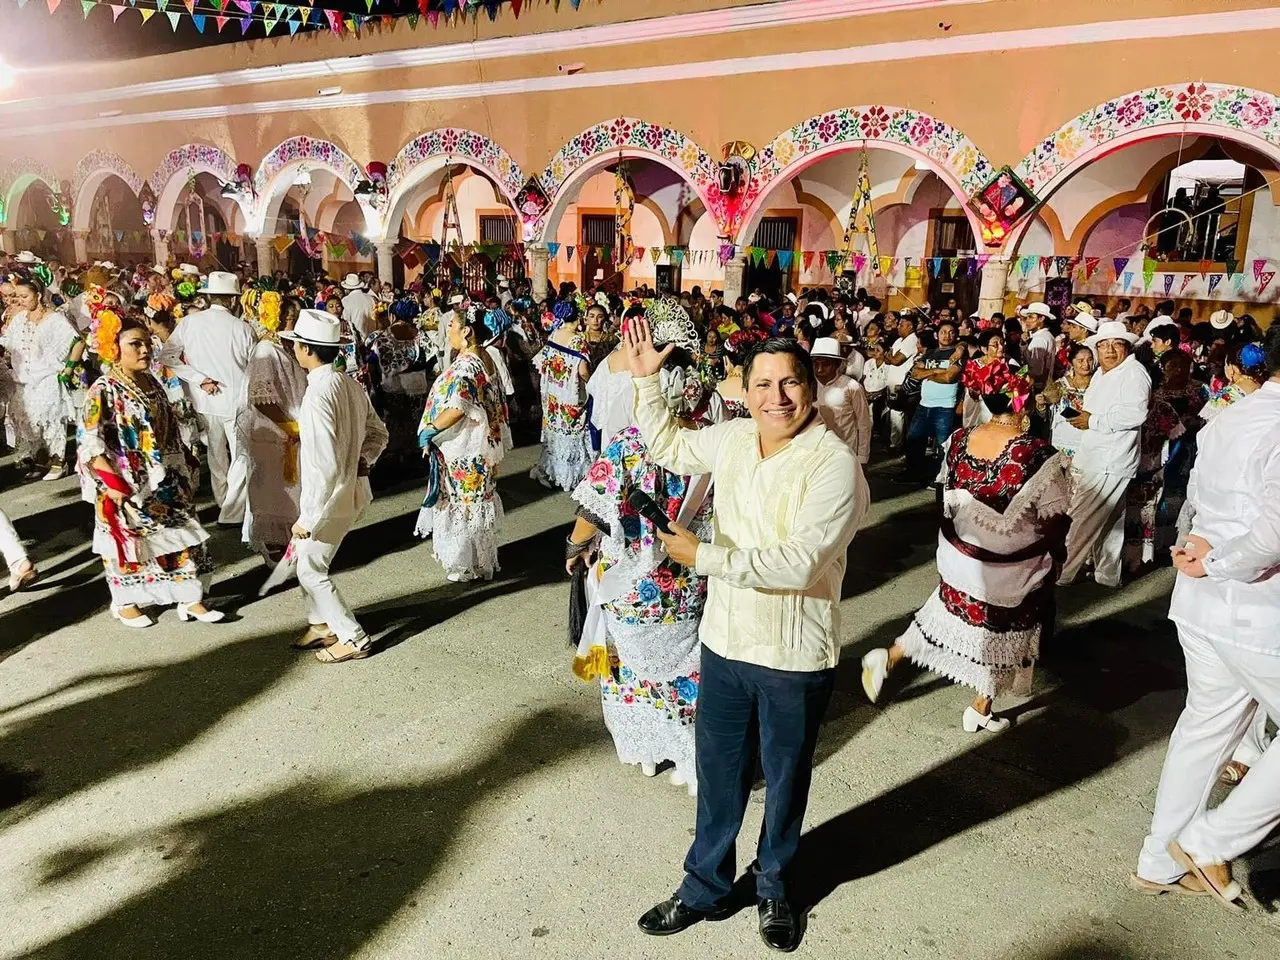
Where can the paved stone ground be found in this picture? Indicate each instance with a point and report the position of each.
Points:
(197, 791)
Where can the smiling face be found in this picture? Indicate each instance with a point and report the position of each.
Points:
(1111, 354)
(1082, 365)
(779, 397)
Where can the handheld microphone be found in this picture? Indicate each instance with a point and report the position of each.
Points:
(644, 505)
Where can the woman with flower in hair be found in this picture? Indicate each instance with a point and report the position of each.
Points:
(1005, 495)
(640, 640)
(730, 389)
(267, 425)
(1245, 371)
(145, 530)
(160, 313)
(564, 368)
(464, 435)
(44, 352)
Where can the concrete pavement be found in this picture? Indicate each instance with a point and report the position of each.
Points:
(195, 791)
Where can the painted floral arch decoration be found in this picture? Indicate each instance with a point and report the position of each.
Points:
(464, 145)
(625, 133)
(1238, 109)
(100, 161)
(321, 152)
(941, 142)
(190, 155)
(17, 169)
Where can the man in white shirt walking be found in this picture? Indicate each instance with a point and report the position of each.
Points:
(341, 437)
(357, 305)
(1226, 605)
(1041, 350)
(210, 351)
(789, 498)
(841, 401)
(1115, 408)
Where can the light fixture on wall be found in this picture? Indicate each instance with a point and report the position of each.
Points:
(329, 91)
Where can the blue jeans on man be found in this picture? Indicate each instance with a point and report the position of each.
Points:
(936, 422)
(742, 706)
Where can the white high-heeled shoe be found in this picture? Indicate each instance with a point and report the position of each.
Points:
(649, 769)
(875, 668)
(209, 616)
(140, 622)
(974, 721)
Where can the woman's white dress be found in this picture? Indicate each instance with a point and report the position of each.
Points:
(566, 448)
(41, 406)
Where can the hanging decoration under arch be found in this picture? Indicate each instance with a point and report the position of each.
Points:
(624, 207)
(861, 206)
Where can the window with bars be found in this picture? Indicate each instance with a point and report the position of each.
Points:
(776, 233)
(497, 228)
(598, 230)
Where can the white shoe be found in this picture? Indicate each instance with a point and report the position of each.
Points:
(974, 721)
(209, 616)
(875, 668)
(140, 622)
(649, 769)
(679, 781)
(57, 470)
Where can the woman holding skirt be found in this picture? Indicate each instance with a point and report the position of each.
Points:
(1005, 495)
(145, 527)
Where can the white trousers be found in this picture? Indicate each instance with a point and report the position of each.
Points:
(324, 604)
(1097, 528)
(1255, 740)
(11, 547)
(228, 470)
(1223, 683)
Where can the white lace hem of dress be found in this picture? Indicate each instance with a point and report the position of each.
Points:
(161, 591)
(465, 537)
(157, 543)
(642, 735)
(990, 663)
(565, 459)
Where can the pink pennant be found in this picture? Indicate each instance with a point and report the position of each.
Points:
(859, 261)
(1258, 267)
(116, 10)
(53, 4)
(1264, 280)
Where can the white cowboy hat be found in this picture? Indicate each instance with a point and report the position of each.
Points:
(1163, 320)
(222, 284)
(1037, 309)
(827, 347)
(26, 256)
(352, 282)
(159, 270)
(104, 264)
(1085, 320)
(790, 296)
(976, 315)
(1111, 330)
(503, 283)
(1221, 319)
(457, 300)
(318, 328)
(189, 269)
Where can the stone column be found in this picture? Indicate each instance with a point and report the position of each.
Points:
(266, 255)
(995, 277)
(386, 259)
(161, 248)
(8, 240)
(80, 240)
(539, 258)
(734, 273)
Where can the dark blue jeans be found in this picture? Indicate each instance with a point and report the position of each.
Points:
(936, 422)
(742, 706)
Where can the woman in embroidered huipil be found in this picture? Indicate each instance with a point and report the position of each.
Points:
(1005, 497)
(146, 530)
(564, 367)
(641, 636)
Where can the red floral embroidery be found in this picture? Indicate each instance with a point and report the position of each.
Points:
(1194, 103)
(875, 122)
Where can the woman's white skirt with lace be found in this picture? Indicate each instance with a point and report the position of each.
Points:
(565, 459)
(465, 536)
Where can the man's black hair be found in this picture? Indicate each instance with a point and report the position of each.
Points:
(792, 348)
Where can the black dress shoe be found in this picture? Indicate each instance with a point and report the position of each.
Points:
(672, 916)
(778, 926)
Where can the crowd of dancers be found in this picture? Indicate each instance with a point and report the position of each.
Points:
(715, 456)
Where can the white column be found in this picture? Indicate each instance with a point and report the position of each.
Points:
(995, 277)
(734, 273)
(8, 241)
(161, 248)
(539, 258)
(80, 240)
(266, 255)
(386, 259)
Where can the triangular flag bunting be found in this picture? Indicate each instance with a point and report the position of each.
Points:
(1186, 281)
(1120, 263)
(568, 254)
(807, 258)
(147, 13)
(198, 19)
(221, 22)
(1214, 280)
(1168, 283)
(982, 260)
(88, 5)
(886, 265)
(1090, 265)
(785, 259)
(1264, 280)
(1204, 267)
(173, 20)
(53, 4)
(1025, 264)
(1063, 265)
(1231, 267)
(1046, 264)
(935, 266)
(1148, 271)
(553, 249)
(955, 266)
(859, 261)
(1128, 278)
(116, 10)
(1259, 266)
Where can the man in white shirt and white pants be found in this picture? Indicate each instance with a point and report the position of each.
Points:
(841, 401)
(1115, 408)
(1226, 605)
(340, 437)
(789, 498)
(210, 351)
(1041, 351)
(357, 305)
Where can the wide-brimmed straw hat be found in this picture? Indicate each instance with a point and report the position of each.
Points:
(1111, 330)
(222, 284)
(317, 328)
(826, 348)
(352, 282)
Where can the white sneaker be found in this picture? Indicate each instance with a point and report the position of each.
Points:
(875, 668)
(974, 721)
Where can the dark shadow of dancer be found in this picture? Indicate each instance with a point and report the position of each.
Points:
(305, 873)
(156, 713)
(889, 548)
(1064, 737)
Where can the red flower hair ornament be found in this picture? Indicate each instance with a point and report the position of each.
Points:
(999, 378)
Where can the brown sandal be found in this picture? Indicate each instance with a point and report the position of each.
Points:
(1233, 773)
(357, 653)
(1218, 883)
(314, 640)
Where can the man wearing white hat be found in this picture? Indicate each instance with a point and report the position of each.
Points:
(210, 352)
(1115, 408)
(341, 437)
(1041, 350)
(842, 402)
(1222, 319)
(27, 258)
(357, 305)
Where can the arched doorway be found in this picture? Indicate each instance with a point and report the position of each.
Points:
(198, 225)
(114, 227)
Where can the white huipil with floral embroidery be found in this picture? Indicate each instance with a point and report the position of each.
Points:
(464, 521)
(42, 407)
(644, 648)
(566, 445)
